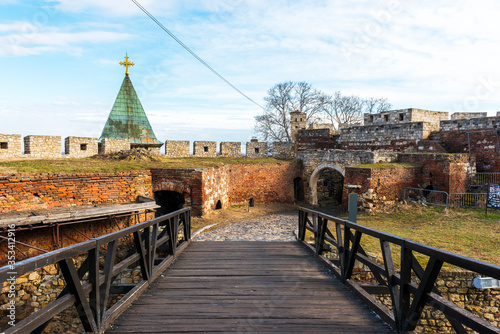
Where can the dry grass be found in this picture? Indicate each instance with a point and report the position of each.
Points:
(93, 165)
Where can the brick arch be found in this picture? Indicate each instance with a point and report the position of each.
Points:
(313, 180)
(179, 187)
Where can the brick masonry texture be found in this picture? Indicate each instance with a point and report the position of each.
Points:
(229, 184)
(317, 139)
(10, 146)
(406, 116)
(81, 147)
(42, 146)
(471, 124)
(256, 149)
(284, 151)
(205, 149)
(27, 191)
(379, 187)
(466, 115)
(110, 145)
(230, 149)
(177, 148)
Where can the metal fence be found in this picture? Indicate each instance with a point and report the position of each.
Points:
(482, 179)
(469, 200)
(427, 196)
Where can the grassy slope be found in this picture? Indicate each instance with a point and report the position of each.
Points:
(91, 165)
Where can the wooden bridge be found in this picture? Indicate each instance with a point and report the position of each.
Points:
(244, 287)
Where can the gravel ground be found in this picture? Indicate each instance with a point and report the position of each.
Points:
(273, 227)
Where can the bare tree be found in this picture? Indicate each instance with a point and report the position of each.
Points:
(375, 105)
(283, 98)
(348, 110)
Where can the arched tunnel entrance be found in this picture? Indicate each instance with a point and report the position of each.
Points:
(169, 201)
(326, 185)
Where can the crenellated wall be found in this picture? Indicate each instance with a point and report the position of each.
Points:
(177, 148)
(257, 149)
(284, 150)
(81, 147)
(410, 115)
(43, 146)
(110, 145)
(230, 149)
(471, 124)
(205, 149)
(467, 115)
(10, 146)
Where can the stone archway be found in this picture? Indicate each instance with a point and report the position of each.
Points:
(313, 181)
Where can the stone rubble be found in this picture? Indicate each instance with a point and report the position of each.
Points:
(273, 227)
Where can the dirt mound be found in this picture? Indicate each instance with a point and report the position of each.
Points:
(133, 154)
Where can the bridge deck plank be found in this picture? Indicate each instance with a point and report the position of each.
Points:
(244, 287)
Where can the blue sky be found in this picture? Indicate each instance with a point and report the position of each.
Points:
(60, 72)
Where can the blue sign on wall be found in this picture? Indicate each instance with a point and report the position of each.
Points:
(494, 196)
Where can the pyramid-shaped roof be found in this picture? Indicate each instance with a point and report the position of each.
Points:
(127, 119)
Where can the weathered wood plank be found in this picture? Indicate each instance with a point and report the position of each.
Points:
(247, 287)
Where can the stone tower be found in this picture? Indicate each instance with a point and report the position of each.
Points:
(297, 122)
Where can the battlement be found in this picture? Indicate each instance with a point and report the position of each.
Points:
(81, 147)
(230, 149)
(467, 115)
(471, 124)
(10, 146)
(410, 115)
(42, 146)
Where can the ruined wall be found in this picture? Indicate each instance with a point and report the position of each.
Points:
(318, 139)
(31, 191)
(42, 146)
(256, 149)
(284, 150)
(484, 148)
(230, 149)
(379, 187)
(177, 148)
(444, 172)
(230, 184)
(467, 115)
(406, 116)
(110, 145)
(10, 146)
(470, 124)
(389, 136)
(80, 147)
(205, 149)
(265, 182)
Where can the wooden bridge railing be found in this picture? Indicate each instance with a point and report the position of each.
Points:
(89, 287)
(408, 297)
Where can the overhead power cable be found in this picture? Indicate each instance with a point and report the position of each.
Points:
(193, 53)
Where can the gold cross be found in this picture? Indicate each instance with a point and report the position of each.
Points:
(126, 63)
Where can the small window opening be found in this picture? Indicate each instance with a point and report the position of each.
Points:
(205, 148)
(301, 119)
(83, 147)
(296, 120)
(257, 150)
(386, 118)
(218, 206)
(4, 145)
(401, 117)
(371, 118)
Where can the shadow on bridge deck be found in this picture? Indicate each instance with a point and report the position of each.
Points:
(244, 287)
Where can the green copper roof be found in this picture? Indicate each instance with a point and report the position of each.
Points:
(127, 119)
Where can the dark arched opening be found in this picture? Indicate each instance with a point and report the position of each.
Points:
(169, 201)
(218, 206)
(330, 186)
(298, 189)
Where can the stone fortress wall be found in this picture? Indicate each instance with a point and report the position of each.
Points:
(395, 130)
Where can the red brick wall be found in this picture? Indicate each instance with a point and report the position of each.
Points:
(29, 191)
(266, 183)
(484, 147)
(378, 187)
(445, 172)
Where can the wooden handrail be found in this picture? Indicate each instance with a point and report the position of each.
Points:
(90, 298)
(408, 298)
